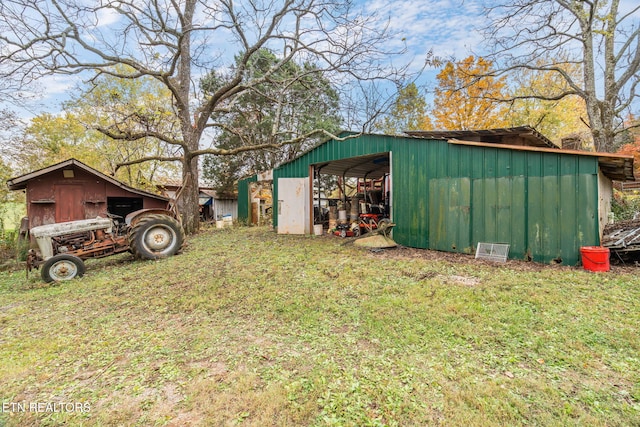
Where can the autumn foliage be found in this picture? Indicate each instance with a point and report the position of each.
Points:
(633, 149)
(466, 98)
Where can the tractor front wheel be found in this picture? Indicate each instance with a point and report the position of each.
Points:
(156, 236)
(62, 267)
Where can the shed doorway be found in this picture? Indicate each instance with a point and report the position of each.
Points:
(123, 206)
(353, 194)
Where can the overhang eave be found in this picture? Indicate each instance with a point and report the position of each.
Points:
(373, 166)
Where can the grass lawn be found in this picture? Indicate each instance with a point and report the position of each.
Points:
(246, 327)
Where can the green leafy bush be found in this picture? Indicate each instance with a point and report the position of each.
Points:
(625, 205)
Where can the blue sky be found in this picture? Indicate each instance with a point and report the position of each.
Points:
(445, 27)
(442, 26)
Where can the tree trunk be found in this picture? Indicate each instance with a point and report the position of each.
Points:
(189, 196)
(188, 201)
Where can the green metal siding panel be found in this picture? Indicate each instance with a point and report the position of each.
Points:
(503, 210)
(453, 163)
(503, 163)
(535, 195)
(450, 197)
(568, 217)
(549, 222)
(518, 164)
(450, 217)
(550, 164)
(587, 200)
(534, 165)
(490, 162)
(490, 195)
(461, 215)
(499, 213)
(244, 204)
(476, 165)
(587, 165)
(543, 204)
(440, 153)
(438, 212)
(410, 187)
(562, 216)
(517, 226)
(543, 217)
(568, 165)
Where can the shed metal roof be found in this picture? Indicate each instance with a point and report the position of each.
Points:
(614, 166)
(529, 135)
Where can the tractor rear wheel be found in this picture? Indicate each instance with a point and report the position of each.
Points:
(156, 236)
(62, 267)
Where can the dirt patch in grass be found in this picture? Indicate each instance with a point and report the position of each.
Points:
(402, 252)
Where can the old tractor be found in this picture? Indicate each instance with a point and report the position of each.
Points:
(62, 247)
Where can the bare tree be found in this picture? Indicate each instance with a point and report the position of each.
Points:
(177, 42)
(600, 36)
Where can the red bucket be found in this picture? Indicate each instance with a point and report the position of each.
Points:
(595, 258)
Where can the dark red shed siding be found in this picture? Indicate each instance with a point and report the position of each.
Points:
(75, 191)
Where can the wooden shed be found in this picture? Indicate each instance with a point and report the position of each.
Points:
(71, 190)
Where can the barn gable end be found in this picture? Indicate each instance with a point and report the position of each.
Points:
(71, 190)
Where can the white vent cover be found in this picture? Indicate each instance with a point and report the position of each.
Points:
(492, 251)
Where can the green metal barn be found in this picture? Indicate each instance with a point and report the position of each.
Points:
(451, 190)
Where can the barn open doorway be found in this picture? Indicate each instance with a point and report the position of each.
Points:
(122, 206)
(352, 192)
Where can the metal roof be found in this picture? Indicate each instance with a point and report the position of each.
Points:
(529, 135)
(20, 182)
(614, 166)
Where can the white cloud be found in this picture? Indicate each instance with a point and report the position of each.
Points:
(106, 17)
(444, 26)
(57, 85)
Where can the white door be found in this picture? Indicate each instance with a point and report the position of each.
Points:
(293, 206)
